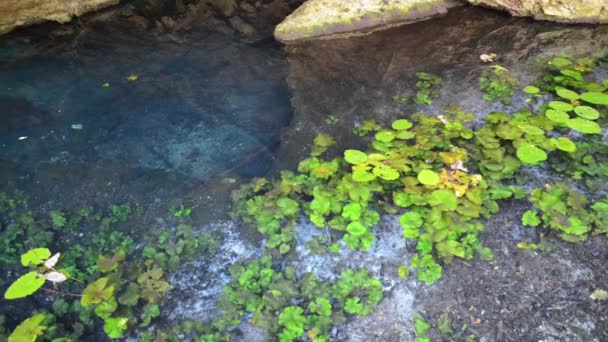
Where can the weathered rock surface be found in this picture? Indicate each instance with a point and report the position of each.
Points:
(576, 11)
(15, 13)
(326, 18)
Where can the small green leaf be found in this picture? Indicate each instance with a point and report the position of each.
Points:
(420, 325)
(587, 112)
(321, 306)
(595, 98)
(353, 305)
(96, 292)
(105, 309)
(403, 272)
(428, 177)
(115, 327)
(29, 329)
(557, 116)
(24, 286)
(530, 218)
(352, 211)
(561, 106)
(385, 172)
(444, 324)
(530, 154)
(401, 125)
(560, 62)
(363, 176)
(564, 144)
(567, 94)
(532, 90)
(355, 228)
(35, 256)
(444, 199)
(355, 157)
(584, 126)
(385, 136)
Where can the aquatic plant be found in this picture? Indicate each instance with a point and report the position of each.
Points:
(498, 84)
(429, 86)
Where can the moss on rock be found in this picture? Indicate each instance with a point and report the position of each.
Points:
(574, 11)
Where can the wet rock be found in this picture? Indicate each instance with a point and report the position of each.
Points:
(15, 13)
(327, 18)
(576, 11)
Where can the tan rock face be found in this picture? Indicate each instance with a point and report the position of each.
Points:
(327, 18)
(15, 13)
(576, 11)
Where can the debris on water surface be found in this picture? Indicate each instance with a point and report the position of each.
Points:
(77, 126)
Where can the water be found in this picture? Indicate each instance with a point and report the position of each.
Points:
(210, 110)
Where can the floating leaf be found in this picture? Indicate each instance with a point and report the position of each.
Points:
(595, 98)
(29, 330)
(587, 112)
(403, 272)
(444, 199)
(353, 305)
(532, 130)
(352, 211)
(355, 157)
(561, 106)
(560, 62)
(35, 256)
(428, 177)
(96, 292)
(385, 172)
(405, 135)
(530, 154)
(567, 94)
(564, 144)
(363, 176)
(105, 309)
(401, 125)
(115, 327)
(532, 90)
(355, 228)
(557, 116)
(530, 218)
(584, 126)
(385, 136)
(321, 306)
(24, 286)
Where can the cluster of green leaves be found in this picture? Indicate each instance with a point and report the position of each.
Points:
(289, 306)
(428, 86)
(443, 324)
(498, 84)
(568, 212)
(181, 210)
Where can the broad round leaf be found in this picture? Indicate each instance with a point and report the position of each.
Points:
(115, 326)
(584, 126)
(401, 125)
(567, 94)
(530, 154)
(411, 220)
(386, 172)
(531, 90)
(444, 199)
(428, 177)
(24, 286)
(385, 136)
(355, 157)
(587, 112)
(595, 98)
(35, 256)
(405, 135)
(557, 116)
(363, 176)
(562, 106)
(532, 130)
(29, 329)
(355, 228)
(564, 144)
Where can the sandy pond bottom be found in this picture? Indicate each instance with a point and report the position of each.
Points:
(199, 121)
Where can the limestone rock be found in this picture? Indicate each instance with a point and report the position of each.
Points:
(575, 11)
(327, 18)
(15, 13)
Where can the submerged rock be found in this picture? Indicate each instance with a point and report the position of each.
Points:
(15, 13)
(576, 11)
(326, 18)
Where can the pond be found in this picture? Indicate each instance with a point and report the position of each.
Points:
(127, 142)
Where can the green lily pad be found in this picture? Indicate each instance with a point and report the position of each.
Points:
(532, 130)
(363, 176)
(557, 116)
(561, 106)
(567, 94)
(401, 125)
(405, 135)
(530, 154)
(355, 157)
(560, 62)
(385, 136)
(386, 172)
(428, 177)
(584, 126)
(587, 112)
(564, 144)
(532, 90)
(595, 98)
